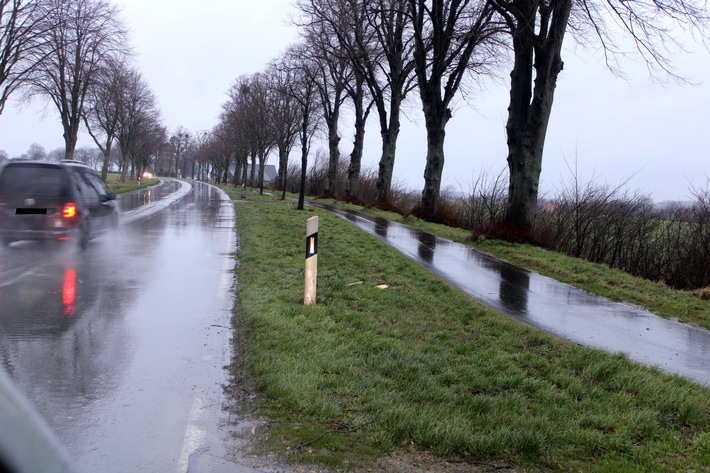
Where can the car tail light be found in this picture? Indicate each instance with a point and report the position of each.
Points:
(69, 210)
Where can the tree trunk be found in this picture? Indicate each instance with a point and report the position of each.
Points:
(107, 162)
(390, 133)
(436, 118)
(356, 159)
(530, 108)
(262, 165)
(334, 152)
(70, 138)
(124, 170)
(304, 166)
(358, 145)
(283, 167)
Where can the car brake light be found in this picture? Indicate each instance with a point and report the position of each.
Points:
(69, 210)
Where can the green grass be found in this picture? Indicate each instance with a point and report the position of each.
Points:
(592, 277)
(419, 366)
(115, 185)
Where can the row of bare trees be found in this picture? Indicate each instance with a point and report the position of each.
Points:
(373, 54)
(74, 55)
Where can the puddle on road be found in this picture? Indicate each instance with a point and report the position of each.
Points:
(547, 304)
(132, 200)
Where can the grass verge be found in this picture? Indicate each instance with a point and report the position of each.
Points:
(115, 185)
(420, 367)
(592, 277)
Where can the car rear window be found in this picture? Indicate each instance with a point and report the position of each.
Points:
(33, 180)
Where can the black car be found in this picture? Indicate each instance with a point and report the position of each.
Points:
(65, 200)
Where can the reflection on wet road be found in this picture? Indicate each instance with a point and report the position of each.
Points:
(547, 304)
(122, 348)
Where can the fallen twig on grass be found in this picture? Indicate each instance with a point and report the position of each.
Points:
(479, 463)
(303, 445)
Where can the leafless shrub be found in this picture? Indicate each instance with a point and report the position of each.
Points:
(688, 238)
(486, 200)
(341, 178)
(367, 186)
(623, 230)
(317, 175)
(293, 178)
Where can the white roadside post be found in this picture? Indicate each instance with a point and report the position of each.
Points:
(309, 293)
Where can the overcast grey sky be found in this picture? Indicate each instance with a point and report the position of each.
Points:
(191, 51)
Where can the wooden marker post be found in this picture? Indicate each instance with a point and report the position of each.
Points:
(309, 293)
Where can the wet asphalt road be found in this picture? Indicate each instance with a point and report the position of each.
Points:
(122, 348)
(549, 305)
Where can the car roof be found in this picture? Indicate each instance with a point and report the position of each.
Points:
(65, 163)
(23, 162)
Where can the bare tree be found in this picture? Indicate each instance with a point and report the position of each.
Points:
(21, 34)
(56, 154)
(249, 114)
(376, 35)
(260, 134)
(335, 71)
(196, 152)
(341, 28)
(238, 146)
(388, 64)
(36, 152)
(219, 150)
(304, 92)
(79, 36)
(148, 147)
(180, 141)
(92, 157)
(356, 90)
(284, 118)
(102, 109)
(451, 37)
(537, 29)
(139, 122)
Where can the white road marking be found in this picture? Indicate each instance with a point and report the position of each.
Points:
(194, 433)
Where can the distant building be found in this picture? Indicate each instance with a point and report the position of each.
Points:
(270, 173)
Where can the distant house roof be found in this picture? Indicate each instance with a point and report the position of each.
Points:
(270, 173)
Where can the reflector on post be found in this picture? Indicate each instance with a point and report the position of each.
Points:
(309, 293)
